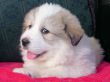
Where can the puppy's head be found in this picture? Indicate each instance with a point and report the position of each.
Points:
(48, 28)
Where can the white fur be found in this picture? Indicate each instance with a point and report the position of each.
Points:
(63, 59)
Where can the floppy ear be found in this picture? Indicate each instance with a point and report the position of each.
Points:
(72, 28)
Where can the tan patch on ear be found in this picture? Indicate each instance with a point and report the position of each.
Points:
(73, 29)
(29, 18)
(75, 34)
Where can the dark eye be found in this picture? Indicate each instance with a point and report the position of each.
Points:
(30, 26)
(44, 31)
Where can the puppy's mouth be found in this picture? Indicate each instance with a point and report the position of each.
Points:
(31, 55)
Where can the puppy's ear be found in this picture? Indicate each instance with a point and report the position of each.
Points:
(72, 28)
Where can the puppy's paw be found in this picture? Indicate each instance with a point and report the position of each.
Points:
(21, 70)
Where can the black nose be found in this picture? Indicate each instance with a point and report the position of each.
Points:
(25, 42)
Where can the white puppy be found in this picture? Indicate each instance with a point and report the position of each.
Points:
(53, 44)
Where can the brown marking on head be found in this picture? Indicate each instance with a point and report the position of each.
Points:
(29, 19)
(63, 25)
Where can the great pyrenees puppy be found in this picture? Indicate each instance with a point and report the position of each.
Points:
(53, 44)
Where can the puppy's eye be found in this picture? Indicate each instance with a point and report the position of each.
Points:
(30, 26)
(44, 31)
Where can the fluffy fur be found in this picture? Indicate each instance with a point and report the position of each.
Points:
(70, 52)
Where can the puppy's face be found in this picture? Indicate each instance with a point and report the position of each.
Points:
(49, 27)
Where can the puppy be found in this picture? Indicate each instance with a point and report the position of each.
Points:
(53, 44)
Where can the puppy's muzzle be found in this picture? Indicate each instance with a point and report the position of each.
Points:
(25, 42)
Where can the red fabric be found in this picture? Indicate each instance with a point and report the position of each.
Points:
(6, 75)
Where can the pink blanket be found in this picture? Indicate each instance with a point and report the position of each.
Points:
(6, 75)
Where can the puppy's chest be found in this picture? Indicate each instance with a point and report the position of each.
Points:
(38, 70)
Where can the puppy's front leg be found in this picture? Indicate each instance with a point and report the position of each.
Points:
(21, 70)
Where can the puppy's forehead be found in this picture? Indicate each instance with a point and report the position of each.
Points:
(47, 10)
